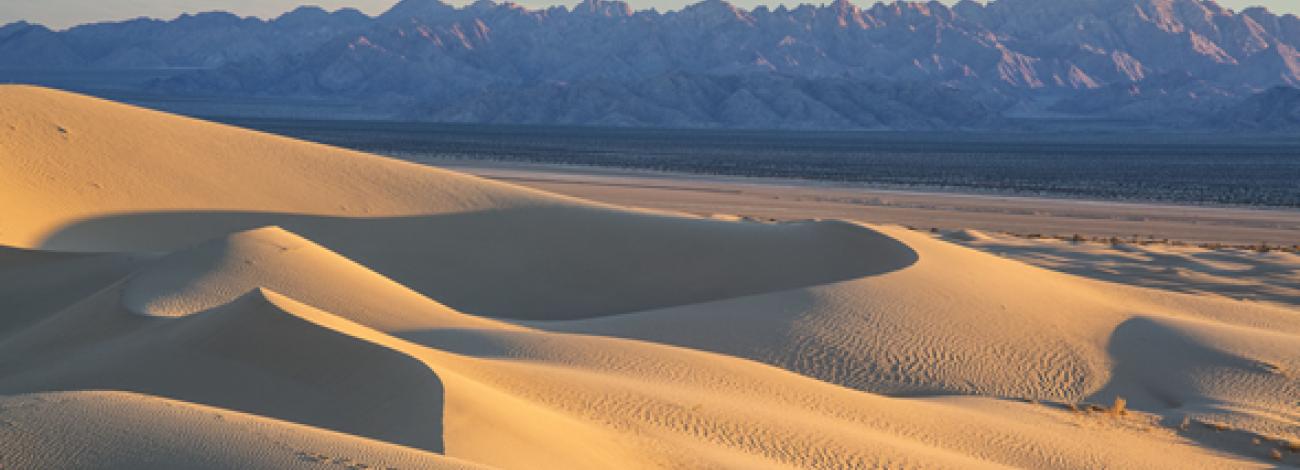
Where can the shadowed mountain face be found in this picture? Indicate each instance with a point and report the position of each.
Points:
(1277, 109)
(1151, 63)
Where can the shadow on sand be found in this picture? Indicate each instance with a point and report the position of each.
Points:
(543, 263)
(1160, 369)
(1236, 274)
(251, 355)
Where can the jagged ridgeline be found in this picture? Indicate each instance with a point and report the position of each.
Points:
(1126, 63)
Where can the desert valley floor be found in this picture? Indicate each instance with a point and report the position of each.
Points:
(181, 294)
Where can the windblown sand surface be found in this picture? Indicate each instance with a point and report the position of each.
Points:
(175, 293)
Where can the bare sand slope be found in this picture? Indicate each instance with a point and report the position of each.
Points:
(151, 182)
(554, 400)
(395, 313)
(37, 283)
(100, 429)
(69, 157)
(965, 322)
(219, 271)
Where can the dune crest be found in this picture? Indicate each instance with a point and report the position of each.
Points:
(216, 272)
(69, 157)
(352, 306)
(450, 237)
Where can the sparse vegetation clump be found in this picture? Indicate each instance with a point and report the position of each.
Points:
(1119, 407)
(1151, 240)
(1219, 427)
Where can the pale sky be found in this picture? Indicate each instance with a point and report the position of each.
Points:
(60, 14)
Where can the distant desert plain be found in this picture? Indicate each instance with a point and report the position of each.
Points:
(176, 293)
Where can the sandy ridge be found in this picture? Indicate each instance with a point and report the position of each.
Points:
(371, 307)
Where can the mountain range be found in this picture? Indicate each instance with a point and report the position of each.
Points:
(905, 65)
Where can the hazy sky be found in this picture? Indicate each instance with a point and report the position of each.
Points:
(63, 13)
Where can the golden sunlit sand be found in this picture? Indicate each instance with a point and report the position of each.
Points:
(181, 294)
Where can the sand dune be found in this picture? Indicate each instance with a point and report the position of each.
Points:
(266, 354)
(129, 430)
(965, 322)
(69, 158)
(217, 272)
(96, 190)
(213, 297)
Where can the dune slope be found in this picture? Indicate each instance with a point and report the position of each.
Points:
(966, 322)
(151, 182)
(333, 307)
(568, 401)
(98, 429)
(36, 283)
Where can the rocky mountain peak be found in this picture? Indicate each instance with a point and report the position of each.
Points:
(715, 11)
(607, 8)
(848, 14)
(407, 10)
(840, 64)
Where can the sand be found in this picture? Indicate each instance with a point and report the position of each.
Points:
(176, 293)
(791, 199)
